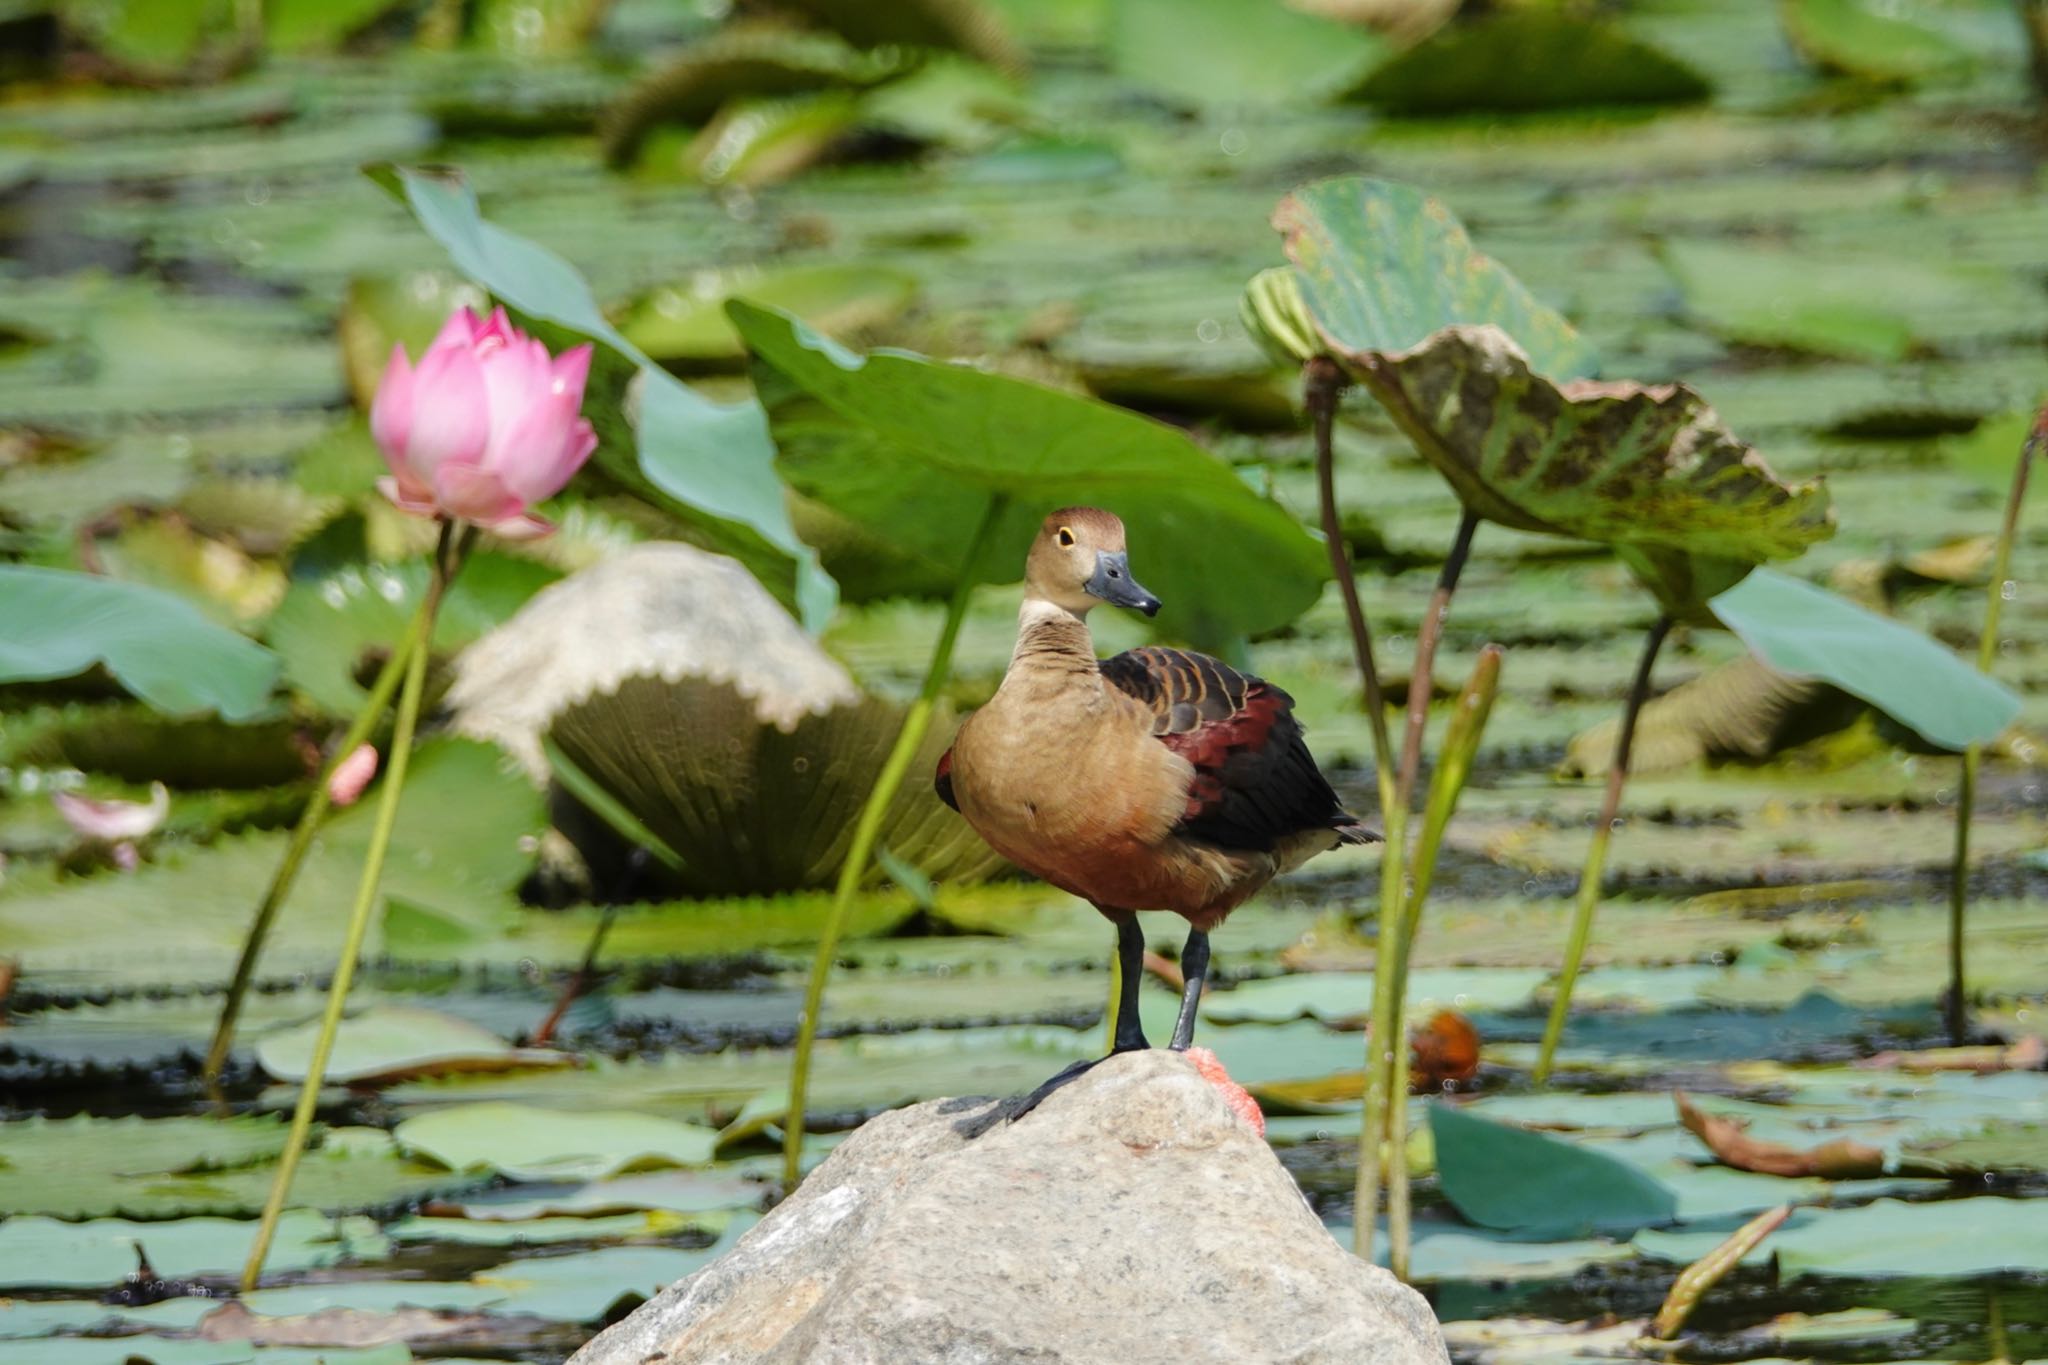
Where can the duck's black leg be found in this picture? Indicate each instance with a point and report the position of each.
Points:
(1130, 1031)
(1194, 969)
(1130, 960)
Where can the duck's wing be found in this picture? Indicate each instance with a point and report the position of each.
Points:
(942, 780)
(1255, 781)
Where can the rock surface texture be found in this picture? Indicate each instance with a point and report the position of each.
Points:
(658, 610)
(1130, 1218)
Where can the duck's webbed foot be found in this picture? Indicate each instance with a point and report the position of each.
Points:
(1130, 1032)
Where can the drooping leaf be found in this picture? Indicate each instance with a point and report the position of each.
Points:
(892, 441)
(156, 644)
(694, 762)
(1743, 710)
(1236, 52)
(1855, 38)
(1647, 469)
(754, 142)
(1502, 1176)
(1381, 266)
(527, 1143)
(685, 326)
(155, 38)
(1800, 629)
(713, 460)
(1527, 57)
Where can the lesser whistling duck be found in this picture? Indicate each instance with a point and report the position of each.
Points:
(1158, 779)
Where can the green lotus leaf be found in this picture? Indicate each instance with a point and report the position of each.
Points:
(684, 325)
(1234, 53)
(1557, 1188)
(1647, 469)
(1272, 311)
(1382, 265)
(912, 451)
(1872, 42)
(977, 28)
(746, 805)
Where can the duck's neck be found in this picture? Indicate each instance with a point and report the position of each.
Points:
(1053, 645)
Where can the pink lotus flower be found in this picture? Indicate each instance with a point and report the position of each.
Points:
(484, 426)
(115, 825)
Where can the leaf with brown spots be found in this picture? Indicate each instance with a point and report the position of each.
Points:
(1725, 1138)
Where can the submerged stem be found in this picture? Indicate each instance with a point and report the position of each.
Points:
(867, 829)
(447, 561)
(302, 840)
(1596, 852)
(1955, 1006)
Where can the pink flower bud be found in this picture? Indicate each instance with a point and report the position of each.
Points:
(486, 425)
(1240, 1100)
(113, 822)
(345, 784)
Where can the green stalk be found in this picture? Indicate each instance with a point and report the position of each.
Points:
(1696, 1279)
(302, 840)
(1596, 852)
(1966, 795)
(447, 561)
(867, 829)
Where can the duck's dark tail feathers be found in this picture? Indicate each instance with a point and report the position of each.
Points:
(1349, 831)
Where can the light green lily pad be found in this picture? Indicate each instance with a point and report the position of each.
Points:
(388, 1043)
(528, 1143)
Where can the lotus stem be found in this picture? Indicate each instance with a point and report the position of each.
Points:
(579, 980)
(867, 829)
(1422, 676)
(309, 824)
(448, 556)
(1323, 383)
(1956, 1006)
(1696, 1279)
(2034, 18)
(1596, 852)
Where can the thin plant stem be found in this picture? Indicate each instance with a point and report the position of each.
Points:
(1696, 1279)
(1956, 1006)
(1421, 678)
(1596, 853)
(2034, 18)
(867, 829)
(579, 980)
(447, 560)
(295, 852)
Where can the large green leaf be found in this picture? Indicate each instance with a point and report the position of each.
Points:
(1506, 1177)
(1382, 265)
(1647, 469)
(1525, 57)
(1236, 52)
(714, 460)
(912, 451)
(1800, 629)
(156, 644)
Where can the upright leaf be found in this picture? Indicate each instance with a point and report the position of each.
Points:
(156, 644)
(1503, 1176)
(911, 451)
(713, 459)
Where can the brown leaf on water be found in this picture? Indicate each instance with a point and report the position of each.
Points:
(2026, 1054)
(348, 1327)
(1445, 1049)
(1841, 1159)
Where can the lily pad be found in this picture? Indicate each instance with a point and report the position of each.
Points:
(1236, 52)
(1855, 38)
(1529, 57)
(44, 1253)
(78, 1167)
(526, 1143)
(590, 1284)
(388, 1043)
(898, 442)
(1508, 1178)
(1799, 629)
(1890, 1237)
(155, 643)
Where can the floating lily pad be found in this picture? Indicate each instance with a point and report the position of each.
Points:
(1529, 57)
(1890, 1237)
(1855, 38)
(44, 1253)
(527, 1143)
(388, 1043)
(1236, 52)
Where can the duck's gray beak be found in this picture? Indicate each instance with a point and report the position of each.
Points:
(1113, 584)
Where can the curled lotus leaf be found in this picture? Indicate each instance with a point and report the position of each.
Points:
(1648, 469)
(1273, 313)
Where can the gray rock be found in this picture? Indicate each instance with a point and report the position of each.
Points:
(657, 610)
(1131, 1218)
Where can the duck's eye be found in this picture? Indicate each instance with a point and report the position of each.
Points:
(1066, 536)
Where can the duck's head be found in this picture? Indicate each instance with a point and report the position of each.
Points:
(1079, 559)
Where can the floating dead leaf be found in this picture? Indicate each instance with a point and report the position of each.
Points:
(2027, 1054)
(348, 1327)
(1841, 1159)
(1445, 1050)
